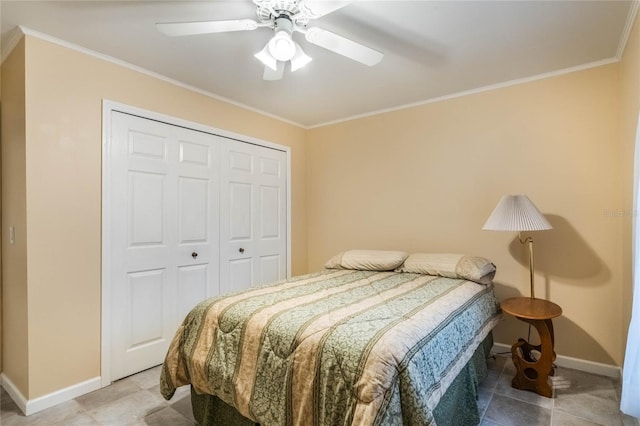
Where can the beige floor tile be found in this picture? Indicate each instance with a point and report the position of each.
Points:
(81, 419)
(511, 412)
(181, 392)
(504, 388)
(563, 419)
(487, 422)
(12, 419)
(5, 399)
(497, 363)
(107, 395)
(146, 379)
(8, 408)
(58, 415)
(569, 381)
(183, 406)
(166, 417)
(484, 398)
(603, 410)
(129, 410)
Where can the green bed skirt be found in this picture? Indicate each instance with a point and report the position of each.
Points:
(458, 406)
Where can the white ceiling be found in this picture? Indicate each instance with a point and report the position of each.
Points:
(432, 49)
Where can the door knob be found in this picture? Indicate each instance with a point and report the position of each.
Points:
(241, 250)
(194, 254)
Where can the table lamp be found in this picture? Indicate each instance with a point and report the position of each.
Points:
(518, 213)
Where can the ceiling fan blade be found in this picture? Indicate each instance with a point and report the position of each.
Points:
(205, 27)
(317, 8)
(270, 74)
(343, 46)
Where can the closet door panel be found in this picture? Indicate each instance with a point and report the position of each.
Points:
(192, 286)
(164, 242)
(193, 194)
(270, 268)
(241, 209)
(253, 215)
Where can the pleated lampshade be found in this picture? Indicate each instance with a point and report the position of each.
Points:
(516, 213)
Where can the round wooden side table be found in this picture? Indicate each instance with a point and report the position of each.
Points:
(531, 373)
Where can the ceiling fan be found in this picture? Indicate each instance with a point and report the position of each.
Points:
(285, 17)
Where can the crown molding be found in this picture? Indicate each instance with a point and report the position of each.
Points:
(474, 91)
(10, 42)
(628, 26)
(42, 36)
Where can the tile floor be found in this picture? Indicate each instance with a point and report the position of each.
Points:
(580, 399)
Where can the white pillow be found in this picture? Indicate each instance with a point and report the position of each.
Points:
(470, 268)
(367, 260)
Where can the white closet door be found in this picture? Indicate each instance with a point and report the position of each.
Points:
(164, 186)
(253, 216)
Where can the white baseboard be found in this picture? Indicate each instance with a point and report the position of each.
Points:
(31, 406)
(575, 363)
(14, 393)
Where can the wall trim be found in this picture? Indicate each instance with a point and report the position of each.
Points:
(14, 393)
(469, 92)
(626, 32)
(12, 40)
(575, 363)
(31, 406)
(116, 61)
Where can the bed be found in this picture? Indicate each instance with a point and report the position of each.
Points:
(377, 338)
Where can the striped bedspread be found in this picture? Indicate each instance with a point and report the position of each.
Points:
(338, 347)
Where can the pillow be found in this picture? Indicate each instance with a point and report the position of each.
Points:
(470, 268)
(367, 260)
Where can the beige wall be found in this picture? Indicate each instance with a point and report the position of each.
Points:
(420, 179)
(64, 92)
(630, 108)
(14, 257)
(427, 178)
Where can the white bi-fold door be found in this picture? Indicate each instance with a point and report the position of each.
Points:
(175, 217)
(253, 220)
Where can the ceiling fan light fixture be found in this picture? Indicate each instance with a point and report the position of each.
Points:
(266, 58)
(300, 59)
(284, 17)
(281, 46)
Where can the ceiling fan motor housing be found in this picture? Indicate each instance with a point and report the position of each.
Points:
(283, 23)
(269, 10)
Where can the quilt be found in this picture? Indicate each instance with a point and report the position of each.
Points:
(337, 347)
